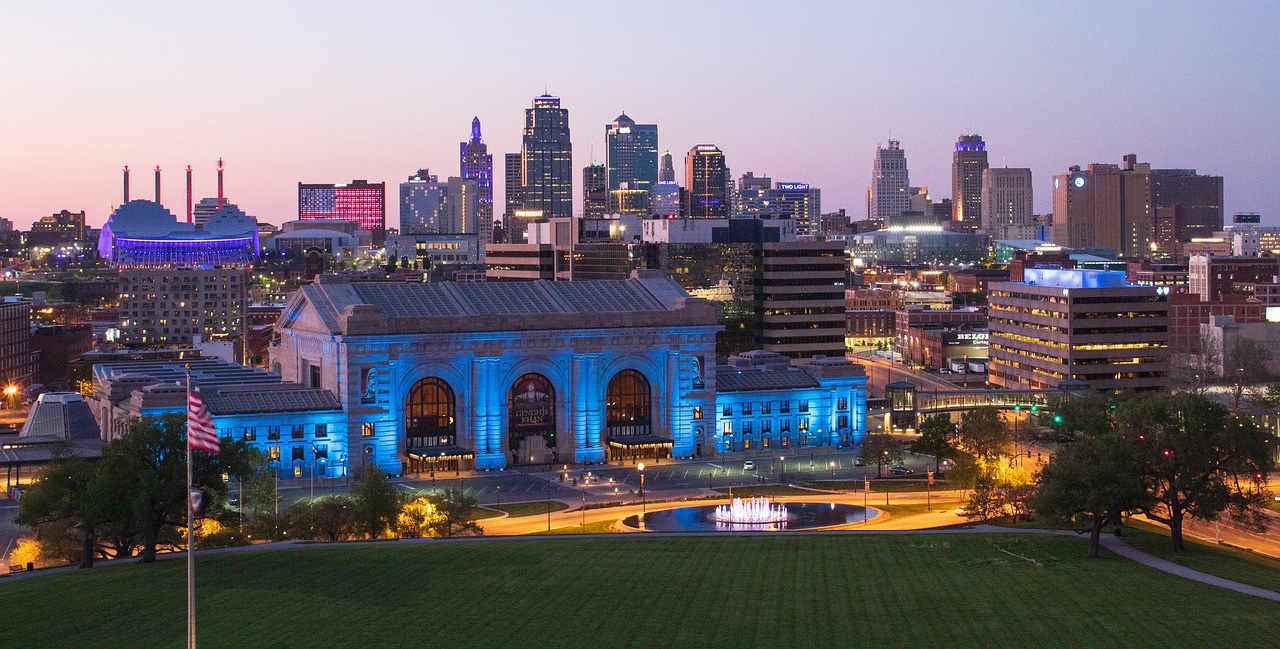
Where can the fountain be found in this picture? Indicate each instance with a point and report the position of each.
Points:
(751, 511)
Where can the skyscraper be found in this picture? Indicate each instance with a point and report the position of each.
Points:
(1198, 200)
(889, 183)
(595, 189)
(800, 203)
(967, 164)
(631, 153)
(705, 181)
(422, 200)
(1105, 206)
(666, 170)
(1007, 208)
(513, 173)
(547, 159)
(358, 201)
(475, 163)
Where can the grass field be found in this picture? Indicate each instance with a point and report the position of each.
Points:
(632, 591)
(516, 510)
(1230, 563)
(767, 490)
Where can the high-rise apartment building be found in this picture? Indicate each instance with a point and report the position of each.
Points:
(631, 153)
(666, 169)
(967, 164)
(547, 159)
(475, 163)
(1077, 325)
(422, 200)
(359, 201)
(799, 202)
(750, 196)
(1197, 199)
(17, 360)
(1008, 211)
(665, 198)
(165, 306)
(1105, 206)
(706, 182)
(59, 228)
(595, 190)
(888, 195)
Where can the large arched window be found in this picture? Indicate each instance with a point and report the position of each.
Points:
(628, 405)
(429, 414)
(533, 409)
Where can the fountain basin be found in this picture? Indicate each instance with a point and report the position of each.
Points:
(799, 516)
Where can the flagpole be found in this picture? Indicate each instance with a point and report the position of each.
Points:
(191, 548)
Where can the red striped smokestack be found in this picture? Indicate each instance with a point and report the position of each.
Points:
(219, 183)
(126, 183)
(157, 184)
(189, 218)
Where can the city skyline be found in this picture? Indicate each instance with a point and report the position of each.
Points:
(120, 90)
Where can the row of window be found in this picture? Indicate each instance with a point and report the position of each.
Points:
(295, 431)
(766, 407)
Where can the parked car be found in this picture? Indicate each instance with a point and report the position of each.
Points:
(859, 462)
(962, 511)
(900, 470)
(748, 466)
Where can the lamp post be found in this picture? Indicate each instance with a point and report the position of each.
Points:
(782, 475)
(832, 466)
(643, 504)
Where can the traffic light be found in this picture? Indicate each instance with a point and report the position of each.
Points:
(1035, 408)
(1057, 419)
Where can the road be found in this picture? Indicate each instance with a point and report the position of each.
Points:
(881, 372)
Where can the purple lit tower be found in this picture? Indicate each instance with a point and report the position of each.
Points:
(475, 162)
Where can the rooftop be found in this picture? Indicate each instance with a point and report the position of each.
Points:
(204, 372)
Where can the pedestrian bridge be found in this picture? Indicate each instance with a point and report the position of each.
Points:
(907, 400)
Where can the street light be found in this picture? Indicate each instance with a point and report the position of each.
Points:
(832, 464)
(643, 508)
(782, 477)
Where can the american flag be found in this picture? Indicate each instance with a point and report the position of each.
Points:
(200, 432)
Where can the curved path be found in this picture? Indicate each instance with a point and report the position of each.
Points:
(1113, 543)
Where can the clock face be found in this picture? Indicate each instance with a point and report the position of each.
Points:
(1079, 181)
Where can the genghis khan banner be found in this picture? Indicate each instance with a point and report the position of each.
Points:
(533, 409)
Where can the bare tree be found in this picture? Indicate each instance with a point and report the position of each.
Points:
(1247, 363)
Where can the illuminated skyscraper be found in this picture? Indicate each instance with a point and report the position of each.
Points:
(705, 181)
(595, 190)
(666, 170)
(889, 184)
(513, 173)
(359, 201)
(631, 153)
(476, 164)
(547, 159)
(967, 164)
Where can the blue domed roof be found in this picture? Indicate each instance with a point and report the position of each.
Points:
(144, 219)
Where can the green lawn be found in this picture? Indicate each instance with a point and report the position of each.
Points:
(1006, 590)
(516, 510)
(598, 527)
(1229, 563)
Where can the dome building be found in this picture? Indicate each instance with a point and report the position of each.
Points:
(144, 234)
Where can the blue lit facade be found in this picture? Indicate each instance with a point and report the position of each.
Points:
(763, 403)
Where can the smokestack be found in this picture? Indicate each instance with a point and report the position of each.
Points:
(157, 184)
(189, 218)
(219, 183)
(126, 183)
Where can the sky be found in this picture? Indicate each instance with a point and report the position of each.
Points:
(327, 91)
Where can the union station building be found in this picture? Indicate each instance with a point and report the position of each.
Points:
(497, 374)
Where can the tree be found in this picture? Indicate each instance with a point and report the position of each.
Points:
(1196, 459)
(327, 518)
(59, 504)
(376, 502)
(457, 514)
(1247, 362)
(880, 448)
(420, 518)
(937, 436)
(984, 434)
(1076, 415)
(1094, 481)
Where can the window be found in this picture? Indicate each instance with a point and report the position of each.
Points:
(273, 453)
(728, 428)
(628, 405)
(321, 430)
(746, 407)
(746, 443)
(296, 432)
(746, 428)
(298, 454)
(728, 444)
(804, 424)
(842, 403)
(764, 407)
(803, 405)
(786, 441)
(366, 429)
(429, 414)
(766, 426)
(804, 440)
(273, 432)
(842, 421)
(697, 412)
(764, 441)
(786, 426)
(728, 410)
(250, 435)
(297, 471)
(313, 375)
(784, 406)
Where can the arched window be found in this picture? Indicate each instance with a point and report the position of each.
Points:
(533, 409)
(628, 405)
(429, 414)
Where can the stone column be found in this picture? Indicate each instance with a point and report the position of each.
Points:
(593, 409)
(488, 427)
(580, 379)
(479, 407)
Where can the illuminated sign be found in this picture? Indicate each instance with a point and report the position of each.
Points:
(707, 147)
(975, 338)
(528, 214)
(1079, 182)
(796, 187)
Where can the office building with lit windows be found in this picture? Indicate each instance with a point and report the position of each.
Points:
(967, 166)
(706, 183)
(163, 307)
(359, 201)
(1077, 325)
(546, 158)
(1105, 206)
(476, 164)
